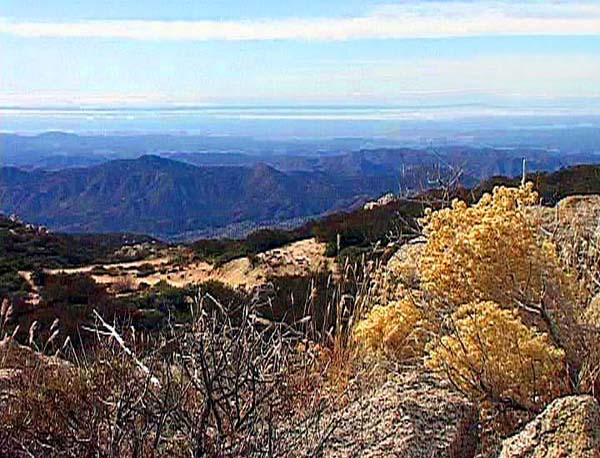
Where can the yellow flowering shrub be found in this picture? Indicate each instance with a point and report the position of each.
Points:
(491, 355)
(394, 329)
(482, 270)
(491, 250)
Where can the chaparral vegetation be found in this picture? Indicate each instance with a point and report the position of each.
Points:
(490, 296)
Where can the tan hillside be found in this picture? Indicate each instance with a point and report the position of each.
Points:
(296, 259)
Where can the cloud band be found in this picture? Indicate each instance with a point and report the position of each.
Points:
(402, 21)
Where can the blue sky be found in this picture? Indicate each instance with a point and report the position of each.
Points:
(298, 52)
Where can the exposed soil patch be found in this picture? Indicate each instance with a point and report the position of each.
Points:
(298, 258)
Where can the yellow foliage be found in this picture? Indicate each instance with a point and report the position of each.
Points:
(490, 354)
(488, 251)
(482, 269)
(394, 328)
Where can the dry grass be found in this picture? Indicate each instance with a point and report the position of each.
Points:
(575, 230)
(230, 383)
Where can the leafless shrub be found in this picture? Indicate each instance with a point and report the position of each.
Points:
(226, 384)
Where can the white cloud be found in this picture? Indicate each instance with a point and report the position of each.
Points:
(418, 78)
(410, 81)
(409, 19)
(85, 99)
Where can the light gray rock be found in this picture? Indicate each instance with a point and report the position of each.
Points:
(568, 427)
(411, 415)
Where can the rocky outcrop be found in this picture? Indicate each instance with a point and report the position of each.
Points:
(381, 202)
(583, 210)
(568, 427)
(574, 217)
(404, 265)
(14, 358)
(411, 415)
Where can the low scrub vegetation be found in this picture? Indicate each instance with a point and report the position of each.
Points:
(238, 377)
(488, 298)
(69, 300)
(496, 308)
(491, 355)
(31, 248)
(212, 387)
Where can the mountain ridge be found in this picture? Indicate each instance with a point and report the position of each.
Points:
(169, 194)
(161, 196)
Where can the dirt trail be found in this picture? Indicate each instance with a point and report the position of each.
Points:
(298, 258)
(157, 262)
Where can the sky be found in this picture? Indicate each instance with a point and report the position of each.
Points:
(194, 52)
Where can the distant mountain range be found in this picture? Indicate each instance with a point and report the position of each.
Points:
(175, 192)
(408, 164)
(57, 150)
(165, 197)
